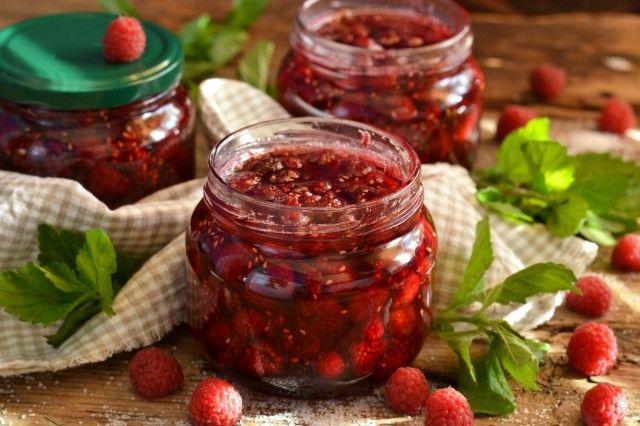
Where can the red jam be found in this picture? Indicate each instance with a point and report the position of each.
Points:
(406, 68)
(119, 154)
(310, 258)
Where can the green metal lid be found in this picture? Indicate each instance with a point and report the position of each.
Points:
(57, 62)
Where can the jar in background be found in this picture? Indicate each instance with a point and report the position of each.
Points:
(310, 258)
(402, 65)
(123, 131)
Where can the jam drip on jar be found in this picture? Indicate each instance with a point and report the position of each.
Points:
(320, 178)
(384, 82)
(289, 316)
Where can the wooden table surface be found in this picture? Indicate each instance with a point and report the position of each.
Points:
(601, 52)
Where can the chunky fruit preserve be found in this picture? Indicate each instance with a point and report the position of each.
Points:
(123, 131)
(311, 257)
(405, 67)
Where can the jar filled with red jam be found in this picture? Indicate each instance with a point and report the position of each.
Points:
(123, 130)
(402, 65)
(311, 257)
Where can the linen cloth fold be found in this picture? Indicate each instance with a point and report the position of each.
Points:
(152, 302)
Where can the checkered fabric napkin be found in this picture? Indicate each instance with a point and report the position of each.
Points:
(152, 301)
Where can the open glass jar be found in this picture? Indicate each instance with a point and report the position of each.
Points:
(122, 130)
(311, 257)
(402, 65)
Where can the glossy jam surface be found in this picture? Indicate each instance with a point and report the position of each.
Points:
(316, 177)
(318, 315)
(435, 109)
(120, 154)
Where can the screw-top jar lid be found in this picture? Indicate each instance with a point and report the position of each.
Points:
(57, 62)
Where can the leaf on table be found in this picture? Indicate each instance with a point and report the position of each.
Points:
(120, 7)
(517, 358)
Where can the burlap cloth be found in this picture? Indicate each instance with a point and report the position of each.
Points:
(152, 301)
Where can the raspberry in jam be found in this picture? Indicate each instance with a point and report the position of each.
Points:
(311, 257)
(123, 131)
(404, 66)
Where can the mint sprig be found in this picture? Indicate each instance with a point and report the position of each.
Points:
(484, 381)
(120, 7)
(596, 196)
(254, 66)
(76, 277)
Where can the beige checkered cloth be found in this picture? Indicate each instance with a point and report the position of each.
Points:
(152, 302)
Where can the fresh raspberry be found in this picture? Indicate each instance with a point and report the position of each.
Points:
(547, 81)
(604, 404)
(124, 40)
(215, 402)
(330, 365)
(512, 118)
(406, 390)
(154, 372)
(447, 407)
(626, 255)
(595, 298)
(617, 116)
(592, 349)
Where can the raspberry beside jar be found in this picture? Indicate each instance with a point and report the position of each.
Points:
(404, 66)
(310, 258)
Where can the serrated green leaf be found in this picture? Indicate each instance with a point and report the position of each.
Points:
(64, 278)
(225, 45)
(517, 358)
(509, 212)
(511, 158)
(538, 349)
(73, 322)
(460, 342)
(490, 393)
(254, 65)
(536, 279)
(27, 293)
(120, 7)
(597, 235)
(195, 37)
(245, 13)
(551, 167)
(58, 245)
(479, 261)
(489, 194)
(96, 262)
(567, 218)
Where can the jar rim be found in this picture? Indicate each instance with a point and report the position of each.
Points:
(216, 188)
(461, 38)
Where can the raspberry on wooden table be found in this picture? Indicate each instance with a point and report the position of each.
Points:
(406, 390)
(592, 349)
(595, 298)
(447, 407)
(626, 255)
(215, 402)
(617, 116)
(604, 405)
(547, 81)
(154, 372)
(124, 40)
(513, 117)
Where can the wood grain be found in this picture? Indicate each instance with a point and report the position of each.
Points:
(508, 46)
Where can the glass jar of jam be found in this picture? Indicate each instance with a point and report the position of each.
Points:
(122, 130)
(402, 65)
(310, 258)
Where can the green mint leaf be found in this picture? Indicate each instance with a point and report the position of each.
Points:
(120, 7)
(517, 358)
(245, 13)
(64, 278)
(460, 342)
(551, 167)
(96, 262)
(26, 293)
(567, 218)
(536, 279)
(58, 245)
(538, 349)
(509, 212)
(511, 158)
(490, 393)
(225, 45)
(195, 37)
(254, 65)
(480, 260)
(73, 322)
